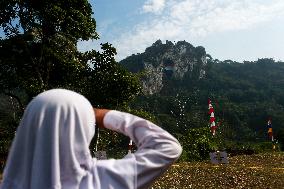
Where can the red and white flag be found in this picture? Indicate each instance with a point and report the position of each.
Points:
(212, 118)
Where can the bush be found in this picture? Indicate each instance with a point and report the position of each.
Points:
(247, 148)
(197, 143)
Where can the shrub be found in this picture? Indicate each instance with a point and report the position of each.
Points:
(197, 143)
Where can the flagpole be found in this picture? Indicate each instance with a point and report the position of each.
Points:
(130, 147)
(270, 131)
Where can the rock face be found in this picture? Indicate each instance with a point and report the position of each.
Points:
(167, 61)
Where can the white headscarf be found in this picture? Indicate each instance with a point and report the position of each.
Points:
(51, 146)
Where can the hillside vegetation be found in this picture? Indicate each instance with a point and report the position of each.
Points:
(244, 95)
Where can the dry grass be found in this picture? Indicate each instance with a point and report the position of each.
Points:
(259, 171)
(253, 171)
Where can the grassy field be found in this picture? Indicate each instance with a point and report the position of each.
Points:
(246, 171)
(259, 171)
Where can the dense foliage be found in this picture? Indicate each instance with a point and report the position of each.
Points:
(244, 96)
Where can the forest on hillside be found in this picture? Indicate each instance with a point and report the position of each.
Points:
(244, 95)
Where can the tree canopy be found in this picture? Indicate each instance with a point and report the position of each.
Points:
(39, 52)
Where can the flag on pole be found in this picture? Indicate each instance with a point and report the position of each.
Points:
(212, 118)
(269, 126)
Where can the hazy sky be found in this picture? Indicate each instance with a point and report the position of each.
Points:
(228, 29)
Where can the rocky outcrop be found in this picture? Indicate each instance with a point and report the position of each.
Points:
(167, 61)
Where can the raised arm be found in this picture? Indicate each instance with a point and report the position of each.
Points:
(157, 149)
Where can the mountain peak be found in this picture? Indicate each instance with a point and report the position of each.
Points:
(163, 61)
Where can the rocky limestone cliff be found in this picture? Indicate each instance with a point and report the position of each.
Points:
(169, 60)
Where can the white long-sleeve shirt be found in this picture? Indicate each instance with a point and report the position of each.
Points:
(157, 150)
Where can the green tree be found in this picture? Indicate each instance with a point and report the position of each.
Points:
(40, 48)
(197, 143)
(39, 52)
(109, 84)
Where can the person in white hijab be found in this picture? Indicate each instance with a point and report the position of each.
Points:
(51, 147)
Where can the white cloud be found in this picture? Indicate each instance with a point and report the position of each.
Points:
(154, 6)
(187, 19)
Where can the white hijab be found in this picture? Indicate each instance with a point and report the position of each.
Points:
(51, 146)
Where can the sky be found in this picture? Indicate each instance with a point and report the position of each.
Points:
(228, 29)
